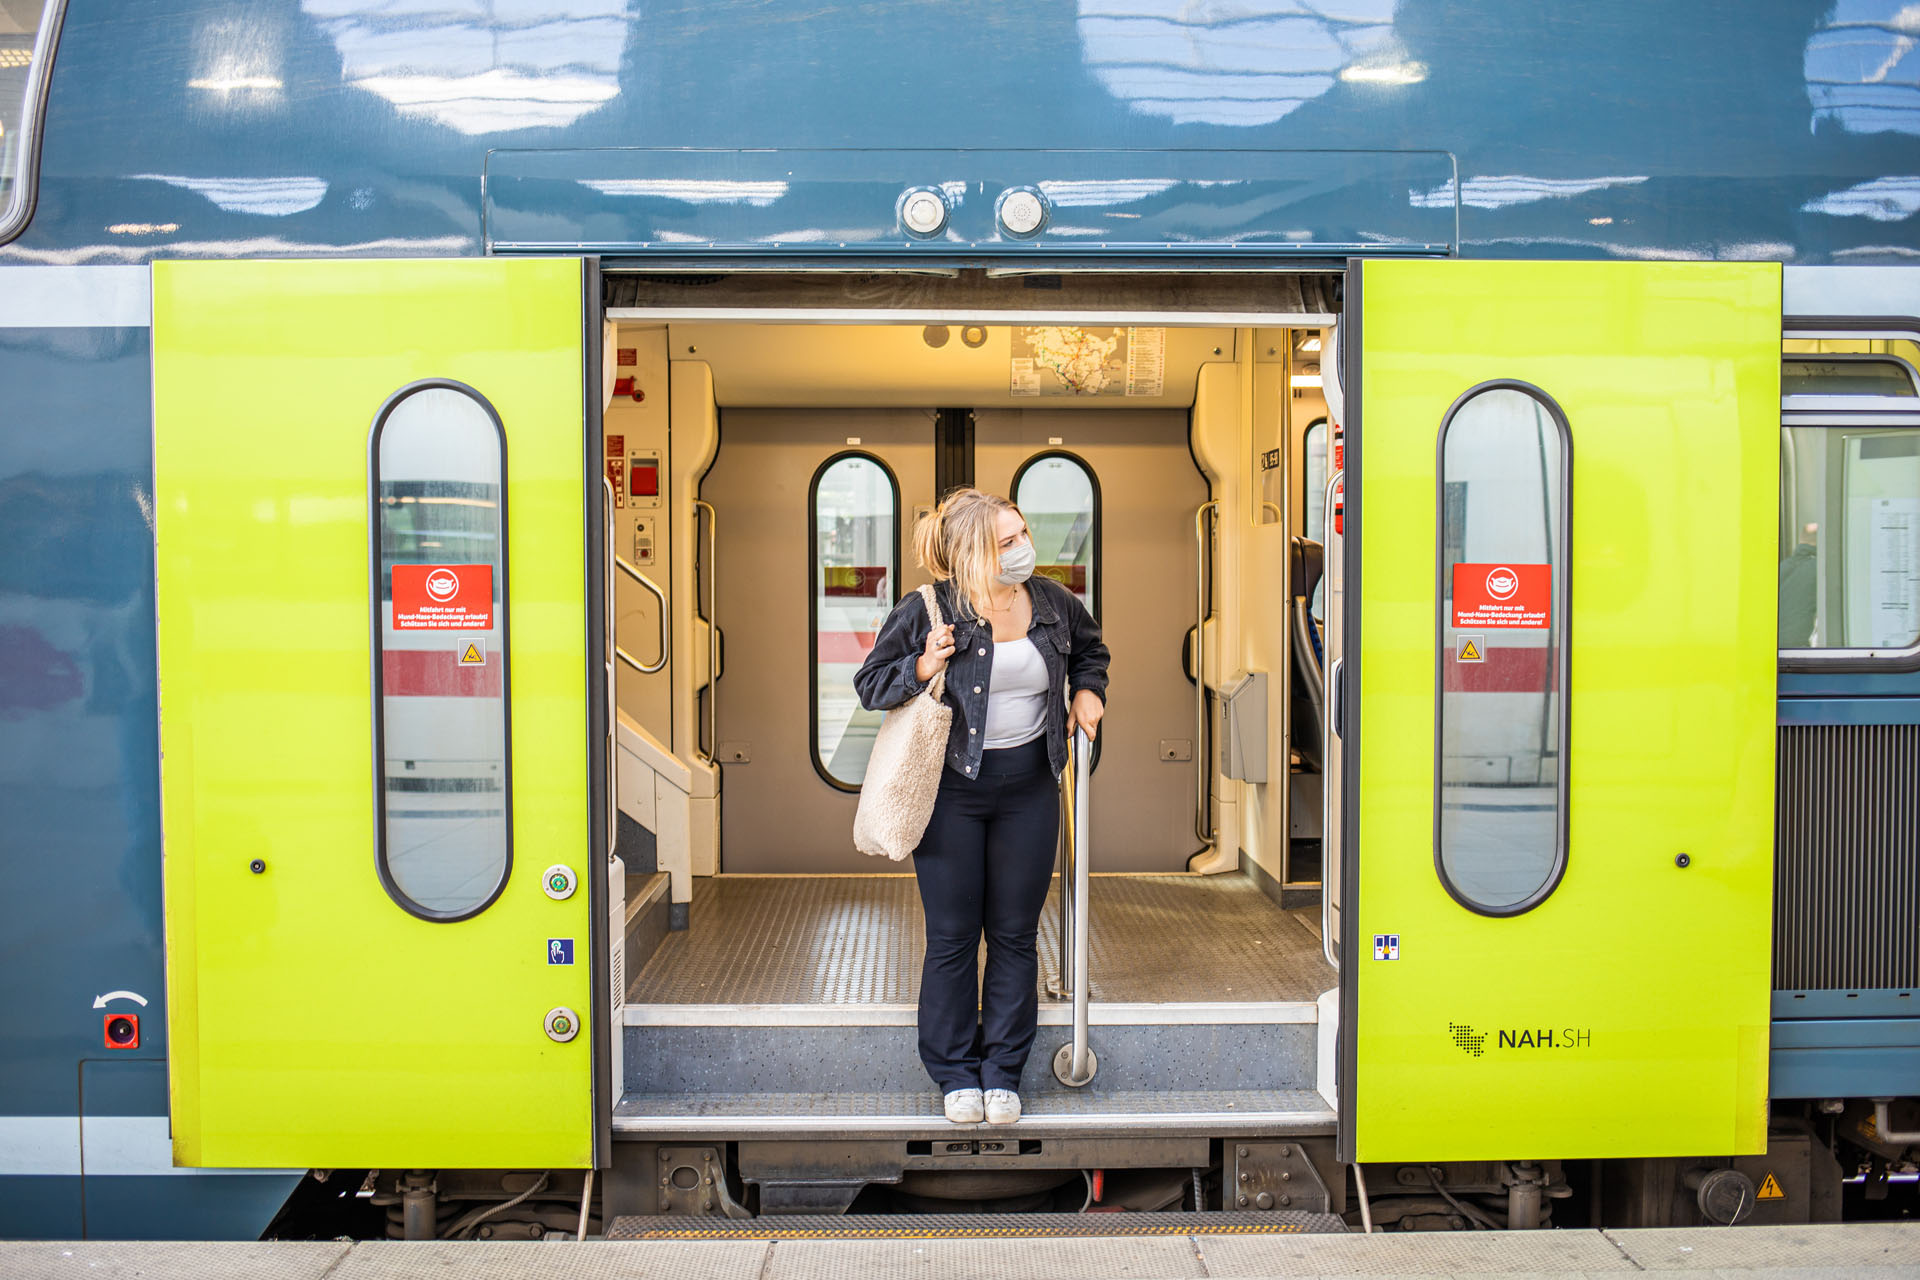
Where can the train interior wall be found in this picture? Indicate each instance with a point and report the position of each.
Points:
(749, 417)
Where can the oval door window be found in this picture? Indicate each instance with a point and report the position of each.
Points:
(438, 471)
(856, 536)
(1500, 829)
(1057, 495)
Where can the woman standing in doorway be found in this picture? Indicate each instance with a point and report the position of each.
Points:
(1015, 649)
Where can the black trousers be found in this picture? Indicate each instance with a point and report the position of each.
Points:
(983, 867)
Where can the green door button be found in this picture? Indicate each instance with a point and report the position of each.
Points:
(559, 882)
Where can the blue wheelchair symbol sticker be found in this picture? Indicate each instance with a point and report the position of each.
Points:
(559, 950)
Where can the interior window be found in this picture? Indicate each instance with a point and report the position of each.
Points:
(1500, 824)
(444, 829)
(1313, 484)
(1850, 545)
(1849, 583)
(855, 576)
(26, 50)
(1056, 493)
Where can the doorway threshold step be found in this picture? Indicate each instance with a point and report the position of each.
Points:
(1100, 1013)
(917, 1114)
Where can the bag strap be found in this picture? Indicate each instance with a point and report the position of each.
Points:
(936, 687)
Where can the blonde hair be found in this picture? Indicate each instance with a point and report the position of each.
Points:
(959, 540)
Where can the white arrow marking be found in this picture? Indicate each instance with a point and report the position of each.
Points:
(100, 1002)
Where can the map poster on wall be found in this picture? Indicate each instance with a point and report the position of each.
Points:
(1893, 575)
(1076, 360)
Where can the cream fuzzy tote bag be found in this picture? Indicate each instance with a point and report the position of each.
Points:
(903, 773)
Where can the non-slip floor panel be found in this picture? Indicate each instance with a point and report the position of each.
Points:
(926, 1104)
(859, 940)
(916, 1114)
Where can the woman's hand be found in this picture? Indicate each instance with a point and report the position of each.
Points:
(934, 659)
(1087, 710)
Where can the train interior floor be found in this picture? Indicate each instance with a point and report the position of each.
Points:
(858, 940)
(789, 1004)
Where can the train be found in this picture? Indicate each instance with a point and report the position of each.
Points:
(453, 457)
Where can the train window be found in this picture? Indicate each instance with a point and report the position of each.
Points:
(1313, 487)
(1500, 822)
(1057, 494)
(28, 29)
(855, 508)
(443, 828)
(1849, 578)
(1313, 501)
(1850, 364)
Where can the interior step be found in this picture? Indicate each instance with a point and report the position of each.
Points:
(998, 1226)
(915, 1114)
(820, 1049)
(647, 918)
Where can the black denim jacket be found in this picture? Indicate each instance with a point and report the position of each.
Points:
(1062, 630)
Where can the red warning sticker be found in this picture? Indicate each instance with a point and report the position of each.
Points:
(1502, 595)
(443, 597)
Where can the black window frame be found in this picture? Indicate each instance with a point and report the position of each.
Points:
(378, 587)
(814, 586)
(1836, 413)
(1096, 577)
(17, 212)
(1562, 625)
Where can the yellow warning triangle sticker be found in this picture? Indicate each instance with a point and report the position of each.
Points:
(1469, 652)
(1770, 1190)
(471, 655)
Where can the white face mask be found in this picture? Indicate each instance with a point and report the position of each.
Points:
(1016, 564)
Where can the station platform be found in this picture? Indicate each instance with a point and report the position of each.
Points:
(1856, 1249)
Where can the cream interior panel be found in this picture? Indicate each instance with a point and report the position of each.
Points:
(777, 813)
(1148, 490)
(799, 365)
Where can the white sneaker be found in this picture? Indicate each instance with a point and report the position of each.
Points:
(963, 1106)
(1003, 1106)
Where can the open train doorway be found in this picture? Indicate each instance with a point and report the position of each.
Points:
(1150, 455)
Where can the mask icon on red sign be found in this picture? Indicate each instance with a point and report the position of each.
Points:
(1502, 583)
(443, 585)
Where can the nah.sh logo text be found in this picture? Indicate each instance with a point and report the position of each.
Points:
(1547, 1038)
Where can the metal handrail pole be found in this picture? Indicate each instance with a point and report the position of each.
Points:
(712, 576)
(666, 634)
(1069, 862)
(1203, 806)
(1330, 729)
(609, 670)
(1083, 916)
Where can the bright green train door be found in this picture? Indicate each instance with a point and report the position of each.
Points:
(1558, 706)
(372, 520)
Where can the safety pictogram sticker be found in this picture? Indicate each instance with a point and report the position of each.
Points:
(1386, 946)
(1770, 1189)
(1470, 650)
(443, 597)
(473, 653)
(1486, 596)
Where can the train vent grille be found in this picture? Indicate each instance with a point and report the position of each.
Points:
(1846, 902)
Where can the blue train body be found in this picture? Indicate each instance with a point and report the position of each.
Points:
(1628, 128)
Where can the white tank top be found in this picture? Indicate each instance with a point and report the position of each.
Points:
(1017, 695)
